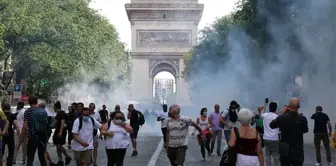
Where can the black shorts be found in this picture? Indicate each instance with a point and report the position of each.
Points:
(59, 140)
(134, 135)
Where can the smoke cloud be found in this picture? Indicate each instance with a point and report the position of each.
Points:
(312, 23)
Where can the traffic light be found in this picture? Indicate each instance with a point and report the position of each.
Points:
(43, 82)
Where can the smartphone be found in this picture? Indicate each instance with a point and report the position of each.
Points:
(266, 100)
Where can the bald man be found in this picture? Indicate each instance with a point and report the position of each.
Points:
(292, 126)
(177, 135)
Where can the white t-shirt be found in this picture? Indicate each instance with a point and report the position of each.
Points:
(120, 139)
(178, 131)
(226, 116)
(270, 134)
(163, 115)
(20, 117)
(85, 133)
(96, 116)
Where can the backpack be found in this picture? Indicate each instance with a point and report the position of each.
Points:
(81, 122)
(39, 121)
(141, 119)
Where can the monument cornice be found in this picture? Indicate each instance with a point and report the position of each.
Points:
(164, 12)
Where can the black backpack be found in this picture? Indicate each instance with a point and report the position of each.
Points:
(141, 119)
(95, 131)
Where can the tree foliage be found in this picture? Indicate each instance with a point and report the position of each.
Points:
(60, 41)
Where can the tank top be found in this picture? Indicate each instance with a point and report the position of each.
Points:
(203, 124)
(120, 139)
(247, 146)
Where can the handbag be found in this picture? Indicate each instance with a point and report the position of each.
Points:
(229, 156)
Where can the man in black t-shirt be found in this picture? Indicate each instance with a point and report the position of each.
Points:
(103, 114)
(133, 116)
(59, 137)
(321, 120)
(8, 139)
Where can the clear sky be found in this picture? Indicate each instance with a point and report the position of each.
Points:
(114, 11)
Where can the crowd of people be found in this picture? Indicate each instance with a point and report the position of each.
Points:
(32, 128)
(277, 133)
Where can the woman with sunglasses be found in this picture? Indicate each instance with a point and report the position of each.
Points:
(116, 132)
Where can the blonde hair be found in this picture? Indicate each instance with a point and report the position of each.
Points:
(245, 116)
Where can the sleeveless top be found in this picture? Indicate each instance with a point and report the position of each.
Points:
(120, 139)
(203, 124)
(247, 146)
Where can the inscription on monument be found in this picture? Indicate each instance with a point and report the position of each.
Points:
(151, 38)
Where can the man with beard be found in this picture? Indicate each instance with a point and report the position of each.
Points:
(292, 126)
(177, 135)
(96, 116)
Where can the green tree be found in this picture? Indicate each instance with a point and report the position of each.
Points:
(60, 41)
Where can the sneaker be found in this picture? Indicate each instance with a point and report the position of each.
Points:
(60, 163)
(203, 158)
(330, 164)
(68, 160)
(22, 163)
(135, 153)
(53, 164)
(318, 164)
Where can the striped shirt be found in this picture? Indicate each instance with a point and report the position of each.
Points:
(28, 116)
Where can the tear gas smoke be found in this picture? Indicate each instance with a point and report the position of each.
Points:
(314, 28)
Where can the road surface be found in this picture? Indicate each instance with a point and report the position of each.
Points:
(151, 153)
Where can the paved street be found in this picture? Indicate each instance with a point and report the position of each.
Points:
(146, 147)
(193, 157)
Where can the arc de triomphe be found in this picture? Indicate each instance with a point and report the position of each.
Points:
(163, 31)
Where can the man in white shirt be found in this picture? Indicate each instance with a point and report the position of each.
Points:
(82, 143)
(23, 144)
(96, 116)
(271, 136)
(163, 116)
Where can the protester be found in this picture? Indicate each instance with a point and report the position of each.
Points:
(60, 133)
(177, 133)
(96, 116)
(82, 143)
(49, 132)
(35, 120)
(8, 139)
(204, 122)
(163, 116)
(247, 141)
(4, 130)
(69, 122)
(229, 118)
(271, 136)
(134, 117)
(292, 126)
(216, 130)
(321, 133)
(19, 143)
(104, 116)
(117, 141)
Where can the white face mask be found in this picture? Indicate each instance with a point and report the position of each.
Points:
(118, 121)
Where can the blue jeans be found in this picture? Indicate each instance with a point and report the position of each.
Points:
(227, 134)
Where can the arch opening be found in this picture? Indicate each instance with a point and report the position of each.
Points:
(164, 87)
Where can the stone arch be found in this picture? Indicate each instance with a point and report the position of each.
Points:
(160, 66)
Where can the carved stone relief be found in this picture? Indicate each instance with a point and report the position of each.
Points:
(172, 63)
(154, 38)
